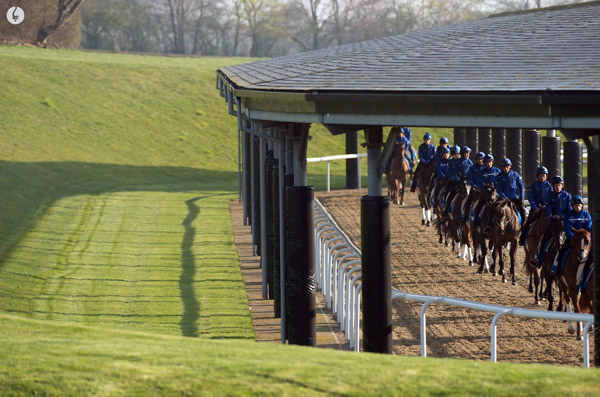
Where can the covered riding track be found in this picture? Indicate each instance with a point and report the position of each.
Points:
(538, 69)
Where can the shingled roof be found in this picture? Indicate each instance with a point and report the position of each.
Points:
(554, 49)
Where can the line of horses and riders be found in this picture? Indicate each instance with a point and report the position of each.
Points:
(478, 208)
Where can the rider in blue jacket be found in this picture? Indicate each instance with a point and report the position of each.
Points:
(453, 163)
(475, 172)
(577, 218)
(465, 163)
(444, 142)
(489, 173)
(558, 199)
(407, 135)
(426, 154)
(510, 186)
(442, 167)
(539, 193)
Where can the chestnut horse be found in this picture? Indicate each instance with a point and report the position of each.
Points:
(482, 233)
(568, 281)
(506, 229)
(398, 175)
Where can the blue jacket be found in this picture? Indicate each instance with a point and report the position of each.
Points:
(579, 220)
(453, 165)
(510, 185)
(560, 203)
(539, 193)
(438, 155)
(489, 176)
(476, 175)
(426, 153)
(399, 141)
(442, 169)
(464, 166)
(407, 134)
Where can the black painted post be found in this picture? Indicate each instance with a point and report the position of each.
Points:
(246, 138)
(551, 155)
(573, 167)
(498, 143)
(375, 245)
(271, 219)
(514, 149)
(471, 139)
(594, 209)
(351, 164)
(276, 239)
(484, 140)
(531, 156)
(459, 137)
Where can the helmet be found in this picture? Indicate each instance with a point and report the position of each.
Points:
(480, 155)
(444, 150)
(454, 149)
(576, 199)
(444, 140)
(488, 157)
(542, 170)
(505, 161)
(427, 136)
(557, 179)
(465, 149)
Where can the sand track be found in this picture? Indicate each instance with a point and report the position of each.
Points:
(421, 265)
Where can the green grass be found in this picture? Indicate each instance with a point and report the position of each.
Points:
(116, 173)
(101, 362)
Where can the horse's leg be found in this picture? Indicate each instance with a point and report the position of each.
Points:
(403, 183)
(574, 292)
(424, 214)
(513, 251)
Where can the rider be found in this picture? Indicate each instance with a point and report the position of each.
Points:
(577, 218)
(539, 193)
(401, 140)
(476, 172)
(489, 173)
(407, 134)
(453, 163)
(465, 163)
(558, 204)
(444, 142)
(510, 186)
(443, 165)
(426, 153)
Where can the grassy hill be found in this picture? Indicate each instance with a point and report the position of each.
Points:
(118, 273)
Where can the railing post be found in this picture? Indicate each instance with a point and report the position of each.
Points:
(494, 337)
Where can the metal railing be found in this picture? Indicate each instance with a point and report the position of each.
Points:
(328, 159)
(339, 277)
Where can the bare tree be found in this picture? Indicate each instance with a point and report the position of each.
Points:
(66, 10)
(308, 18)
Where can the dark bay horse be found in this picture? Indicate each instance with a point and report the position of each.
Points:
(398, 175)
(536, 231)
(461, 242)
(423, 190)
(555, 227)
(506, 229)
(568, 280)
(481, 231)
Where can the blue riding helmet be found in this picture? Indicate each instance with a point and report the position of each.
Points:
(445, 150)
(480, 155)
(465, 149)
(453, 150)
(576, 200)
(488, 157)
(542, 170)
(427, 136)
(444, 140)
(557, 179)
(506, 161)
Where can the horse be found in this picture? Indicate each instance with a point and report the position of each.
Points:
(455, 223)
(506, 229)
(587, 286)
(423, 190)
(580, 245)
(536, 231)
(482, 232)
(398, 175)
(439, 194)
(555, 227)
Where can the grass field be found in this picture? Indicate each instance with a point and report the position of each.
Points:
(118, 273)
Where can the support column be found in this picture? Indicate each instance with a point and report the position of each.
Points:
(471, 139)
(593, 208)
(282, 234)
(514, 149)
(459, 137)
(551, 155)
(484, 140)
(246, 168)
(375, 245)
(573, 167)
(531, 156)
(351, 164)
(498, 143)
(302, 328)
(263, 215)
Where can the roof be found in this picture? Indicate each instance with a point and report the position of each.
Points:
(554, 49)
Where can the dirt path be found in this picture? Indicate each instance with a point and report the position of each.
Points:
(421, 265)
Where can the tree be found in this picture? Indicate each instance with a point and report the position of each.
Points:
(308, 18)
(66, 10)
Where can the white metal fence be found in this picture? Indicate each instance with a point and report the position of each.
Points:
(338, 274)
(328, 159)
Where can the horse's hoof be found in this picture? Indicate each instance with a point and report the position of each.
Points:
(530, 289)
(422, 221)
(494, 274)
(480, 270)
(514, 282)
(458, 255)
(470, 263)
(537, 302)
(447, 244)
(503, 280)
(428, 224)
(579, 337)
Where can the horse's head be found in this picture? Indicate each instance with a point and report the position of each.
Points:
(488, 193)
(464, 185)
(556, 229)
(500, 212)
(581, 243)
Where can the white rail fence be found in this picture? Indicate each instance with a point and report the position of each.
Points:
(338, 274)
(328, 159)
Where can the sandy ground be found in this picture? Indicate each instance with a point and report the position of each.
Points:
(421, 265)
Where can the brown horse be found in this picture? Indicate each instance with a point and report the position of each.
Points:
(536, 231)
(556, 229)
(423, 187)
(587, 288)
(481, 232)
(461, 240)
(567, 281)
(506, 229)
(398, 175)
